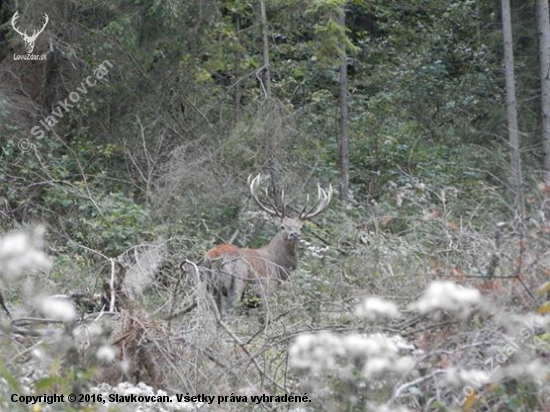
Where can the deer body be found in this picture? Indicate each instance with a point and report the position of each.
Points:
(234, 267)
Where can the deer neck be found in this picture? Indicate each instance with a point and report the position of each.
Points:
(282, 252)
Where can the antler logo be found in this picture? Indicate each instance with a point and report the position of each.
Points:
(29, 40)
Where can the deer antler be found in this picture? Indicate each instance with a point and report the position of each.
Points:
(15, 17)
(323, 200)
(35, 35)
(254, 184)
(34, 32)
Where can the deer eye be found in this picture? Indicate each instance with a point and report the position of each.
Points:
(283, 227)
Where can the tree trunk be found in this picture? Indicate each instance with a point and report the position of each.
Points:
(512, 111)
(543, 19)
(237, 73)
(344, 135)
(266, 78)
(275, 185)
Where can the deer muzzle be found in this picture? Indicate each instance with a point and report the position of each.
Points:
(294, 235)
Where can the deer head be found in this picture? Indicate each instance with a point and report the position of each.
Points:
(29, 40)
(290, 228)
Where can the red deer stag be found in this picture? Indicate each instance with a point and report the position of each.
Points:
(234, 267)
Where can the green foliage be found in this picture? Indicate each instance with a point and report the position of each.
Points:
(83, 209)
(109, 222)
(331, 41)
(4, 112)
